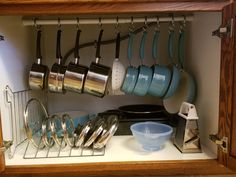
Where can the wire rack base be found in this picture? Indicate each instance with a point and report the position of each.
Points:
(32, 152)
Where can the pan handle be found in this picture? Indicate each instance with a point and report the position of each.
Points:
(181, 48)
(171, 46)
(118, 45)
(142, 46)
(38, 48)
(130, 46)
(76, 50)
(155, 45)
(99, 44)
(58, 47)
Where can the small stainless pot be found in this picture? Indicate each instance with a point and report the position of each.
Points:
(38, 73)
(75, 73)
(98, 75)
(56, 75)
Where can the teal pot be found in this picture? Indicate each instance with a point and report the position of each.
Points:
(131, 72)
(186, 91)
(175, 77)
(144, 81)
(161, 74)
(145, 73)
(130, 80)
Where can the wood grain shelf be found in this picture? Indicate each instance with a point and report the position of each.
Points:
(43, 7)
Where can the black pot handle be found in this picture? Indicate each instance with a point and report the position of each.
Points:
(58, 47)
(118, 45)
(99, 44)
(76, 49)
(38, 47)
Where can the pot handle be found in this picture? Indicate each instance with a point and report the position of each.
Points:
(99, 44)
(155, 45)
(118, 45)
(171, 46)
(142, 46)
(38, 48)
(58, 47)
(130, 46)
(76, 49)
(181, 49)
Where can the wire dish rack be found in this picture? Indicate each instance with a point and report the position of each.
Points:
(16, 103)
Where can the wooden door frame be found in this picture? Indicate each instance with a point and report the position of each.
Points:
(227, 114)
(2, 158)
(227, 111)
(231, 157)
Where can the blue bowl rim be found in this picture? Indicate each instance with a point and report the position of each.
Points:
(153, 123)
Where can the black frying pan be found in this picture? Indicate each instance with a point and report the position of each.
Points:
(139, 111)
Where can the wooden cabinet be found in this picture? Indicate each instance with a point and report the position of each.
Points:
(39, 7)
(227, 113)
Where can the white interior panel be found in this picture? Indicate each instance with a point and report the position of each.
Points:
(203, 62)
(16, 55)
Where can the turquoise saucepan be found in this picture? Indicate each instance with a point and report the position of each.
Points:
(145, 72)
(186, 91)
(175, 78)
(131, 72)
(161, 74)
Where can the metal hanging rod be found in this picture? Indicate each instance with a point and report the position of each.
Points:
(32, 22)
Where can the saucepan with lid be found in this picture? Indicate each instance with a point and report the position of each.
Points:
(39, 72)
(56, 75)
(75, 73)
(98, 75)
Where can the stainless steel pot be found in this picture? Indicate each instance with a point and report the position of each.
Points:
(38, 73)
(98, 75)
(56, 76)
(75, 73)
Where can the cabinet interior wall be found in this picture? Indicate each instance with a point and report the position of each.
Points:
(17, 53)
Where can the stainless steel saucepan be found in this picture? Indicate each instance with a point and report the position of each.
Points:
(56, 76)
(38, 73)
(75, 73)
(98, 75)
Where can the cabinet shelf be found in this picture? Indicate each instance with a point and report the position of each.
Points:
(45, 7)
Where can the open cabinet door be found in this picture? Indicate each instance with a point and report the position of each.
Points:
(2, 160)
(227, 107)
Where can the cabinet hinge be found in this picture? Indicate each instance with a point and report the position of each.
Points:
(6, 145)
(222, 143)
(225, 31)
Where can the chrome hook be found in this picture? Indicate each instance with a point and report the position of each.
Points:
(183, 24)
(157, 28)
(172, 24)
(145, 24)
(36, 25)
(77, 25)
(59, 23)
(131, 26)
(100, 22)
(117, 25)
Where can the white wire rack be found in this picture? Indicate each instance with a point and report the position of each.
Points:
(16, 102)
